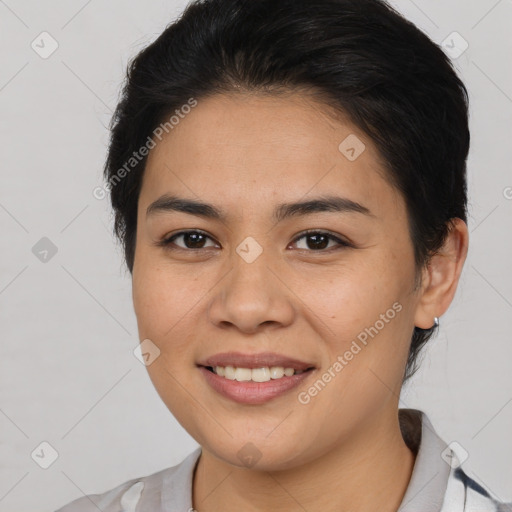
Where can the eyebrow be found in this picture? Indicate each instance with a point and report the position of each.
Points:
(170, 203)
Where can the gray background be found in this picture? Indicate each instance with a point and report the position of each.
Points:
(68, 375)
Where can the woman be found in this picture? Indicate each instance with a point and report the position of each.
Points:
(289, 184)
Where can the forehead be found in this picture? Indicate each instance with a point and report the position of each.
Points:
(251, 148)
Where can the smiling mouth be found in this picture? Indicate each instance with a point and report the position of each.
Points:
(263, 374)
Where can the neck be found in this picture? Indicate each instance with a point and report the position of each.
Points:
(370, 472)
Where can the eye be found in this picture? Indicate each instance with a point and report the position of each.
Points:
(317, 241)
(192, 240)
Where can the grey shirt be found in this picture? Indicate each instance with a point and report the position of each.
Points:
(437, 484)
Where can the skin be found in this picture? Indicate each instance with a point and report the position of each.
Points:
(245, 153)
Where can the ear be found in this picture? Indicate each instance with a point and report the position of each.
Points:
(441, 276)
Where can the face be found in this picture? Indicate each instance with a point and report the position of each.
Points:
(323, 292)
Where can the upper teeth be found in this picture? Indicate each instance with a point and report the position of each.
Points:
(255, 374)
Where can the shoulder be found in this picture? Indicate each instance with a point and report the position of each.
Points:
(146, 490)
(438, 480)
(464, 489)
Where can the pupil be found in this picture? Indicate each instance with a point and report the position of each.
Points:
(196, 240)
(318, 245)
(194, 237)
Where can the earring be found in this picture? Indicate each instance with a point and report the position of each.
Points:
(436, 322)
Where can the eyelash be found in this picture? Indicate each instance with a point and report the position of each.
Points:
(168, 242)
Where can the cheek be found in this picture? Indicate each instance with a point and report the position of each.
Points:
(170, 303)
(353, 296)
(365, 314)
(163, 296)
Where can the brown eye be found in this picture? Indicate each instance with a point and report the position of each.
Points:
(316, 241)
(191, 240)
(319, 240)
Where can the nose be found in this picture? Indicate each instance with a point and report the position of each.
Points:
(253, 295)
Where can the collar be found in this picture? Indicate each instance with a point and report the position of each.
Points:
(429, 479)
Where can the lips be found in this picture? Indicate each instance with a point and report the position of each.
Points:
(253, 378)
